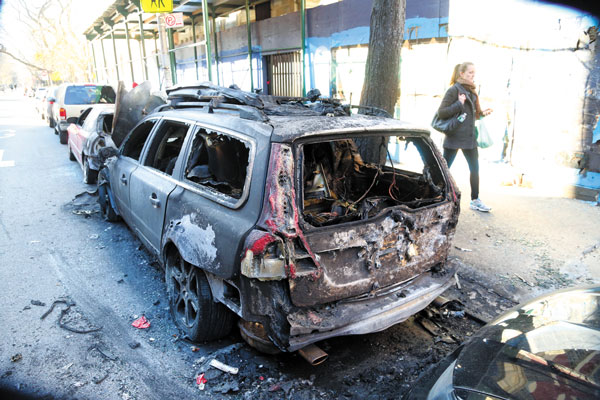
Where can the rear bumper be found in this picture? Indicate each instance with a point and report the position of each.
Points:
(62, 126)
(372, 314)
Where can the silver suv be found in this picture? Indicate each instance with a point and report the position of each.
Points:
(72, 99)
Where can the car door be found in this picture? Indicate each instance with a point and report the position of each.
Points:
(79, 132)
(128, 160)
(152, 182)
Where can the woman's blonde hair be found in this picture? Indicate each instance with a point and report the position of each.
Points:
(458, 69)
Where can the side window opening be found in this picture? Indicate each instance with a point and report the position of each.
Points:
(339, 186)
(107, 123)
(134, 143)
(219, 162)
(166, 146)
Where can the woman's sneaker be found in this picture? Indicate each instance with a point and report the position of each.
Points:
(479, 206)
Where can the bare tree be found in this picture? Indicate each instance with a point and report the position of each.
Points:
(48, 24)
(382, 72)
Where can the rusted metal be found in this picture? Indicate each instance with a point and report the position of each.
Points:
(313, 354)
(255, 335)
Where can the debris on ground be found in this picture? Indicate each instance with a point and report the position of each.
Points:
(16, 357)
(463, 249)
(38, 303)
(141, 323)
(223, 367)
(134, 345)
(69, 303)
(201, 381)
(84, 203)
(102, 352)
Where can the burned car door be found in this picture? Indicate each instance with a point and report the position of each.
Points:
(152, 182)
(126, 163)
(214, 207)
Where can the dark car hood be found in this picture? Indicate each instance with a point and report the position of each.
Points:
(131, 107)
(548, 347)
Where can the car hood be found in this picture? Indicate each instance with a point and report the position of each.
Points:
(543, 349)
(131, 106)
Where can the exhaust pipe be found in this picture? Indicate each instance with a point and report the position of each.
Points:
(313, 354)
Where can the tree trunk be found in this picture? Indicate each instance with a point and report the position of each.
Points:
(382, 73)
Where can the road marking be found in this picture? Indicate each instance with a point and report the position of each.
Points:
(5, 134)
(5, 163)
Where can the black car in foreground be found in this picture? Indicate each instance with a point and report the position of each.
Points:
(264, 208)
(548, 348)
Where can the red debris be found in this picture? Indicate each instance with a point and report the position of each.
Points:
(201, 380)
(259, 246)
(141, 323)
(262, 378)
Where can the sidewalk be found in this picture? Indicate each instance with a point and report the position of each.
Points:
(533, 241)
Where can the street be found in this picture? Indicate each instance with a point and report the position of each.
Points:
(55, 249)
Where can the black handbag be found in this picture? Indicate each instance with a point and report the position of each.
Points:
(447, 126)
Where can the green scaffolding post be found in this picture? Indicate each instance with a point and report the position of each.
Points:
(129, 50)
(143, 45)
(207, 39)
(172, 56)
(214, 30)
(303, 34)
(195, 48)
(249, 33)
(104, 58)
(94, 57)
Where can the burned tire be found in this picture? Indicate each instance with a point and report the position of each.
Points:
(71, 155)
(106, 208)
(191, 301)
(89, 175)
(62, 137)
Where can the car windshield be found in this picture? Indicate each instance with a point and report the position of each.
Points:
(89, 94)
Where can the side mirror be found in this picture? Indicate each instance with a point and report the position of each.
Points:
(107, 152)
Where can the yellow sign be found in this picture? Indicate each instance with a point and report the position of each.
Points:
(157, 6)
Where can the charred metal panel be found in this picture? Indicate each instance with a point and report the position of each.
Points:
(366, 256)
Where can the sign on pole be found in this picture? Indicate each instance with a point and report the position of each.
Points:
(174, 20)
(157, 6)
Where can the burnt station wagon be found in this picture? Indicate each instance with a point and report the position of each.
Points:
(264, 208)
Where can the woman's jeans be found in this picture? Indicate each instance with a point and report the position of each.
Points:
(472, 157)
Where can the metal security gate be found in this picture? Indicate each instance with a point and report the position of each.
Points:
(284, 74)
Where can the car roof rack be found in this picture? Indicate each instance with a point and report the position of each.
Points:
(255, 106)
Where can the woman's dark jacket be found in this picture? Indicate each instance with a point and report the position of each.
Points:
(464, 136)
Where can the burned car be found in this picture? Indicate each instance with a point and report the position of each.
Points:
(87, 135)
(265, 208)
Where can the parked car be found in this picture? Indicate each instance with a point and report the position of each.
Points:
(40, 96)
(72, 99)
(263, 208)
(87, 136)
(547, 348)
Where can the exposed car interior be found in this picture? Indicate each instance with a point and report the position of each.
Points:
(340, 187)
(163, 153)
(218, 161)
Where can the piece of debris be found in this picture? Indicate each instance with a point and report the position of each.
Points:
(524, 280)
(38, 303)
(66, 367)
(99, 380)
(134, 345)
(157, 302)
(16, 357)
(26, 308)
(95, 347)
(195, 349)
(94, 236)
(34, 242)
(462, 249)
(69, 303)
(223, 367)
(151, 340)
(201, 381)
(457, 281)
(141, 323)
(121, 280)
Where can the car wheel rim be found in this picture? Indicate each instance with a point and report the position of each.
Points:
(183, 287)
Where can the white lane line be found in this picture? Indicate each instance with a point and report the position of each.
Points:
(5, 163)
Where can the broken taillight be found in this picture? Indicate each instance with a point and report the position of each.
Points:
(62, 113)
(264, 257)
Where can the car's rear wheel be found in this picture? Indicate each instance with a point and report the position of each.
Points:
(106, 208)
(191, 301)
(89, 175)
(51, 123)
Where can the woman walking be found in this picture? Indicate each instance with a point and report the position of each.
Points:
(462, 98)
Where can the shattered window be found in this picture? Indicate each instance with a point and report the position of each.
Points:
(339, 186)
(166, 145)
(219, 162)
(134, 142)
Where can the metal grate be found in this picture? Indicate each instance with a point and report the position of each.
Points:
(284, 74)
